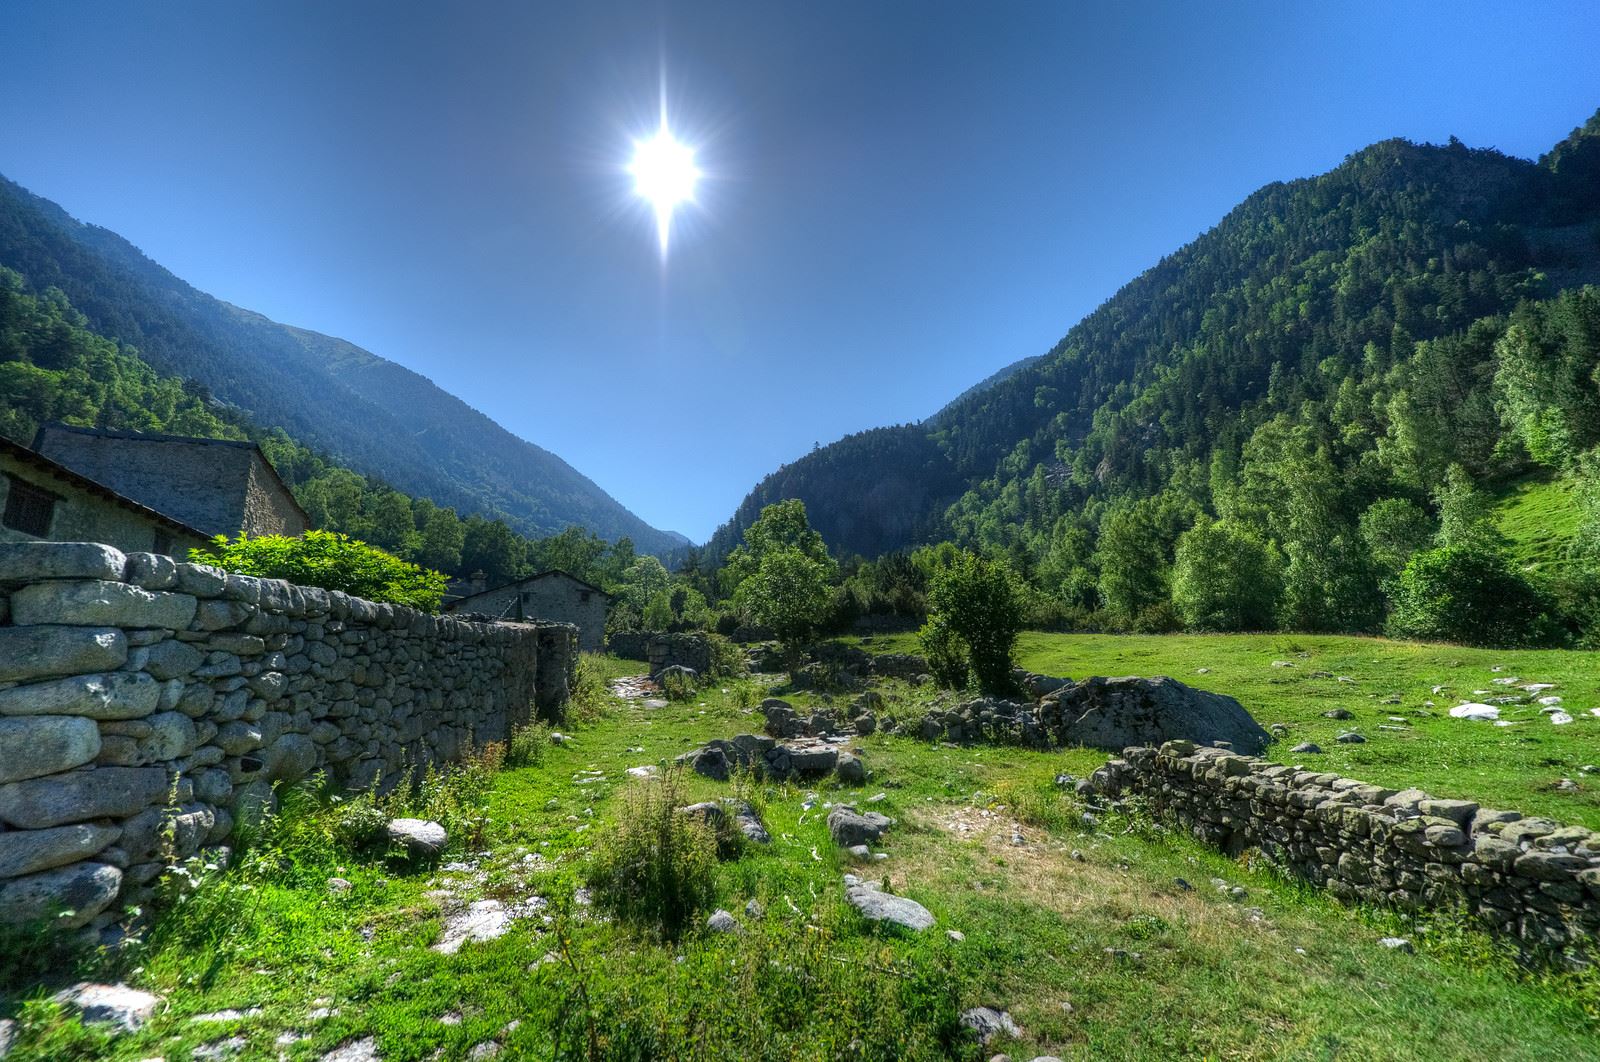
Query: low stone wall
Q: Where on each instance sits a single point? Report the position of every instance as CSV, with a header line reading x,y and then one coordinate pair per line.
x,y
147,706
688,649
1532,879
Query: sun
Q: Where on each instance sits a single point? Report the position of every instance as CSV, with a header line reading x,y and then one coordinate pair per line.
x,y
664,174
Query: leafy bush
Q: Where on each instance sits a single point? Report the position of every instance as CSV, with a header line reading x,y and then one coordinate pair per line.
x,y
658,867
1469,594
1226,578
946,653
590,695
678,686
976,601
727,659
329,560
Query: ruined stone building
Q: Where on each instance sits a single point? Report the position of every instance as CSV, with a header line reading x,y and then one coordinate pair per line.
x,y
554,596
220,486
42,499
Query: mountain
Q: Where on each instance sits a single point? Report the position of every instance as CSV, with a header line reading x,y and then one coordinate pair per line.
x,y
371,414
1309,294
992,380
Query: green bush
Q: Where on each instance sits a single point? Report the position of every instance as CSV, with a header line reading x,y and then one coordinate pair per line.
x,y
975,602
657,869
1225,578
946,653
329,560
1469,594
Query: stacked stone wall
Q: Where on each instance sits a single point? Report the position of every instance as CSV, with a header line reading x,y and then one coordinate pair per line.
x,y
688,649
148,707
1532,879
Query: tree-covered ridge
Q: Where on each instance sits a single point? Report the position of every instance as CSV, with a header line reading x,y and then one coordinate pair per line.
x,y
1303,287
368,413
53,367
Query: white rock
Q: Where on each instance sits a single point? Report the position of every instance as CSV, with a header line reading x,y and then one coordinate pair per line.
x,y
1560,718
126,1008
362,1050
1475,711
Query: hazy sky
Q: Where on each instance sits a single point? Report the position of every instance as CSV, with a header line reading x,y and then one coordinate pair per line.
x,y
900,198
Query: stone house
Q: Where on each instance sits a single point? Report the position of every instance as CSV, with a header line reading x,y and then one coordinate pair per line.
x,y
42,499
552,596
221,486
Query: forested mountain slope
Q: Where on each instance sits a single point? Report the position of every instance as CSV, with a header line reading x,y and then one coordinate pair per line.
x,y
1360,305
369,413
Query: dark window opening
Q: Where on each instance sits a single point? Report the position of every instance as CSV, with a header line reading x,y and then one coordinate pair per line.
x,y
162,543
28,509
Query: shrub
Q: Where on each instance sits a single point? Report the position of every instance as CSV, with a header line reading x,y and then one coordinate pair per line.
x,y
658,867
727,659
976,602
677,686
329,560
788,591
590,696
1469,594
946,653
1225,579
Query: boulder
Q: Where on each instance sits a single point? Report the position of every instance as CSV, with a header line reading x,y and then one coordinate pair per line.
x,y
126,1008
876,905
69,897
30,851
32,746
851,770
104,792
98,603
723,922
989,1023
849,827
421,838
28,561
1114,713
120,695
28,653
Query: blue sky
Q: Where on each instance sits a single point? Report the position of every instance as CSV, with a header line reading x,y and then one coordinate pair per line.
x,y
900,197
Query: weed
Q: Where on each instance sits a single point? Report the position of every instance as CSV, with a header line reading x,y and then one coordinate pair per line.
x,y
527,745
657,869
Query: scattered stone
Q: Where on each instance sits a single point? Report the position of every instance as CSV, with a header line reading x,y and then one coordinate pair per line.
x,y
849,827
489,1048
850,770
1113,713
1339,713
420,838
1566,785
1351,739
362,1050
220,1049
481,920
723,922
955,935
1400,944
876,905
339,885
1560,718
989,1023
648,770
859,852
1308,747
1283,663
126,1008
8,1036
226,1015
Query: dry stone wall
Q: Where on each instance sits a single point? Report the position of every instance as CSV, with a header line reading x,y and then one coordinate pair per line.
x,y
147,707
661,650
1532,879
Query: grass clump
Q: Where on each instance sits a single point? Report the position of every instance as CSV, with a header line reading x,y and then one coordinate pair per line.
x,y
527,745
657,869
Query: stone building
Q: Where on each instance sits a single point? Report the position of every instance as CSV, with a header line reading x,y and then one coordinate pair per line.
x,y
221,486
552,596
41,499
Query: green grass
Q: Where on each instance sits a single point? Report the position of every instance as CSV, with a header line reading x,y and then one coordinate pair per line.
x,y
1513,767
1285,973
1540,517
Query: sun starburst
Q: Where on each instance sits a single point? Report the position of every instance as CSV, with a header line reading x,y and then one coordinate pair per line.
x,y
664,174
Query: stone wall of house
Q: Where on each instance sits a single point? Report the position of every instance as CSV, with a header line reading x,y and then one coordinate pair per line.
x,y
269,507
689,649
557,597
148,707
1531,879
81,515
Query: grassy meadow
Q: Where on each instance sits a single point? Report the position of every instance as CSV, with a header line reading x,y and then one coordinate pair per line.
x,y
1106,937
